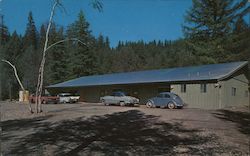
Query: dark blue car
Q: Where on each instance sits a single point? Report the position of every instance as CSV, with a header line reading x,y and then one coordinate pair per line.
x,y
165,100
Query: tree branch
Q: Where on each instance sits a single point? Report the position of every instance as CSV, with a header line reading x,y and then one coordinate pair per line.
x,y
15,71
61,41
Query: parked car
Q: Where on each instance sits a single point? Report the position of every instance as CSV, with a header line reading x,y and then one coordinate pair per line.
x,y
45,99
68,98
165,100
119,98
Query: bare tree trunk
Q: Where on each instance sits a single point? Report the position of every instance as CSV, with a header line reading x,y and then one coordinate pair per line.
x,y
41,69
18,79
39,87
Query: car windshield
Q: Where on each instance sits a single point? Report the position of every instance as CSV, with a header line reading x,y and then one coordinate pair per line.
x,y
119,94
65,94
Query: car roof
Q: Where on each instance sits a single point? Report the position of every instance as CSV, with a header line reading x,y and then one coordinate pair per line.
x,y
64,94
119,92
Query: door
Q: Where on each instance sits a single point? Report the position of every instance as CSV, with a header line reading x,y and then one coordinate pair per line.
x,y
166,99
158,101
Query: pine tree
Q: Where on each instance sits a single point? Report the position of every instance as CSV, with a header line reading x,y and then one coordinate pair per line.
x,y
211,19
4,76
56,67
82,59
4,33
31,55
31,35
210,28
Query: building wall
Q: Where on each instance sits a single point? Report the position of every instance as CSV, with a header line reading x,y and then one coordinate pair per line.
x,y
194,98
218,95
240,82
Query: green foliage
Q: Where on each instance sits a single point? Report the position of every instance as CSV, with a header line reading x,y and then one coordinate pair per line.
x,y
212,19
216,33
82,59
31,34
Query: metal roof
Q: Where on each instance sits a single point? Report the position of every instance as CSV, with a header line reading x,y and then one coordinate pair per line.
x,y
192,73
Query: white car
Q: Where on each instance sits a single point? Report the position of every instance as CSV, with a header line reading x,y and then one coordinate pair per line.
x,y
119,98
68,98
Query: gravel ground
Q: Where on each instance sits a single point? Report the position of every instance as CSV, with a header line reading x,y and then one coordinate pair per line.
x,y
93,129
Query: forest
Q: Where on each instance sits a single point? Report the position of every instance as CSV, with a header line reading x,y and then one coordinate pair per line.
x,y
213,32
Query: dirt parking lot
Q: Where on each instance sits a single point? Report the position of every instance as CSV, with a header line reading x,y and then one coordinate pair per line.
x,y
93,129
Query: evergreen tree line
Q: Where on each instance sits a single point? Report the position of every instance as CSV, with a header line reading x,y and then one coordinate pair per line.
x,y
215,32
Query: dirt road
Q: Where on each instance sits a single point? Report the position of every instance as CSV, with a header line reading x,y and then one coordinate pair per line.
x,y
93,129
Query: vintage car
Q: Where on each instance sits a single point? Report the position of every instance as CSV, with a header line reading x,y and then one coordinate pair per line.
x,y
68,98
119,98
45,99
165,100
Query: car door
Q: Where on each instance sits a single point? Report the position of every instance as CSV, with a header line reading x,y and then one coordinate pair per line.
x,y
166,99
110,99
117,98
158,100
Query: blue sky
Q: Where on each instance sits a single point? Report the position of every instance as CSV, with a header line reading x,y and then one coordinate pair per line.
x,y
125,20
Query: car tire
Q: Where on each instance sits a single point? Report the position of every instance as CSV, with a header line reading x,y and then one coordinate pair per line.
x,y
149,104
171,105
44,102
103,102
122,103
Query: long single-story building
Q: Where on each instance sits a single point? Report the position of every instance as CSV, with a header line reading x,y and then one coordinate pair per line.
x,y
210,86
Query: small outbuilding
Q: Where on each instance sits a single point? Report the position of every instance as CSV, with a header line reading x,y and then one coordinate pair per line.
x,y
212,86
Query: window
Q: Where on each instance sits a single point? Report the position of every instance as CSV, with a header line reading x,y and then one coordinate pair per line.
x,y
167,96
183,88
203,88
246,93
233,91
160,95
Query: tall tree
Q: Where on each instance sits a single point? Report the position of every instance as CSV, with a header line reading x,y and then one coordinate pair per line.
x,y
4,37
212,19
56,68
82,58
210,23
31,35
31,56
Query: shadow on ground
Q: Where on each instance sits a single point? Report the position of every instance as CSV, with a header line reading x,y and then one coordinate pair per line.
x,y
123,133
242,119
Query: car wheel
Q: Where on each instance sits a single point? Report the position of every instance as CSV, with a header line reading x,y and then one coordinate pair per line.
x,y
171,105
149,104
122,103
44,102
103,102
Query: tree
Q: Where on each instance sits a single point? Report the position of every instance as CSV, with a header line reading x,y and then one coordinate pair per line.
x,y
82,59
56,68
212,19
211,24
4,37
31,35
30,56
39,89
